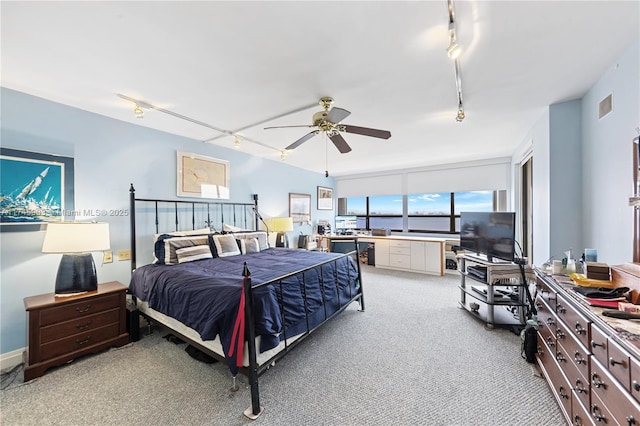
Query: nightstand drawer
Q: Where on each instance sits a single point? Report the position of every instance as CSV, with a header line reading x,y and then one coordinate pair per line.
x,y
80,308
78,325
79,341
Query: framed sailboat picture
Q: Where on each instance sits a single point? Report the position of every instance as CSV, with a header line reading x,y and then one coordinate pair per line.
x,y
34,189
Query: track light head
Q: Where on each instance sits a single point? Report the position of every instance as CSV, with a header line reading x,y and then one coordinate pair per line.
x,y
138,111
460,116
236,143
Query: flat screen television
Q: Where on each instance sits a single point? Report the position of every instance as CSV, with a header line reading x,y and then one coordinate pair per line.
x,y
346,223
491,234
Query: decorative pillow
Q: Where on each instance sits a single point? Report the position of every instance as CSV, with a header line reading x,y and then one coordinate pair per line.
x,y
189,254
202,231
226,245
249,245
260,235
166,247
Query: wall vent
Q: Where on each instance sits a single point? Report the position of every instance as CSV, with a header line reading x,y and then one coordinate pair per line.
x,y
605,106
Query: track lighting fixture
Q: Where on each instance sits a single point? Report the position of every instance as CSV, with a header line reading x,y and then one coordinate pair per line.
x,y
236,143
138,111
454,52
283,155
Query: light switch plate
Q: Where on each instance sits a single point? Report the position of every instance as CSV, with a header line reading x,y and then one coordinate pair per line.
x,y
107,256
124,254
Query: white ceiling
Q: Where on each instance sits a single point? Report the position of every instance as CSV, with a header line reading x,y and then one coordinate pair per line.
x,y
233,65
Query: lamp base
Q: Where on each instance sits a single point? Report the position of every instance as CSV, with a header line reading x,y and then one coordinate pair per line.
x,y
76,274
281,240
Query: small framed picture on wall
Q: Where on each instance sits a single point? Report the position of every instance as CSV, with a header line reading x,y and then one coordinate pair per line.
x,y
325,198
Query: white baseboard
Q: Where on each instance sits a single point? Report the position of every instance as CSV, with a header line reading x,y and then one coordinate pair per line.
x,y
9,360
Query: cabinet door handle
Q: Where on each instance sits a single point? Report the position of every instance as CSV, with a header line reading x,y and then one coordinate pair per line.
x,y
83,310
84,326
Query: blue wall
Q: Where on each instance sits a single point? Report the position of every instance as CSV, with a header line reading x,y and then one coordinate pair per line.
x,y
109,155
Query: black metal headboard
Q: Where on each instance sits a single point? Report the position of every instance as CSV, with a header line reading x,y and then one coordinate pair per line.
x,y
244,215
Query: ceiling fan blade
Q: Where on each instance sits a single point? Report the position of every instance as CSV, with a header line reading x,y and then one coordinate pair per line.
x,y
336,115
340,143
282,127
382,134
302,140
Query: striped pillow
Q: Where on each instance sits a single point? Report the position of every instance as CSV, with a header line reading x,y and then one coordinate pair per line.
x,y
167,248
226,245
249,245
189,254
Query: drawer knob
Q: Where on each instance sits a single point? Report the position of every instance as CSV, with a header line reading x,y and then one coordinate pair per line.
x,y
83,310
84,326
595,412
560,334
550,321
595,345
538,306
580,329
630,420
635,385
580,388
613,362
83,342
577,421
560,357
562,393
579,359
561,309
595,380
550,342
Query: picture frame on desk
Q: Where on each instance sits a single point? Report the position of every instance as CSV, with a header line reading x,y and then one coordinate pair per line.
x,y
325,198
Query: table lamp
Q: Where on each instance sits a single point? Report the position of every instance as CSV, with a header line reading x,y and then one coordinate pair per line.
x,y
76,241
281,225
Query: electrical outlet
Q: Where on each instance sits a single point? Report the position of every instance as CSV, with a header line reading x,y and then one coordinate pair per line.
x,y
124,254
107,256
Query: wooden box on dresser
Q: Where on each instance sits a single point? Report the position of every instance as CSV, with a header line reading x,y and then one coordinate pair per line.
x,y
61,329
591,362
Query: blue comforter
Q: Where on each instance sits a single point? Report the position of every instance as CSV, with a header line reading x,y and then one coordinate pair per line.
x,y
205,294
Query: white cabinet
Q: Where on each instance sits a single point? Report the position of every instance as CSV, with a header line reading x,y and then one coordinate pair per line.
x,y
381,252
425,256
434,257
418,256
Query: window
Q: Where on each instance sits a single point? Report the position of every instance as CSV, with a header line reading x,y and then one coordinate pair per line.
x,y
427,212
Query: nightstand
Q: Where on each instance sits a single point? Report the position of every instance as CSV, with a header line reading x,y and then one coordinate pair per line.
x,y
61,329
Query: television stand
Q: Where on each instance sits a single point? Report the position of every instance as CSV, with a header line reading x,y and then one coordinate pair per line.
x,y
495,285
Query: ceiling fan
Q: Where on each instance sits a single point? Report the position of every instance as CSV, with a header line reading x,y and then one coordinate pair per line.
x,y
328,121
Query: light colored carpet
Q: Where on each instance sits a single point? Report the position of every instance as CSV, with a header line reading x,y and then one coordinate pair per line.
x,y
412,358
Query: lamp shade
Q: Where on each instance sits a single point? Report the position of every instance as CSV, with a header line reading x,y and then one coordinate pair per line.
x,y
281,224
76,237
75,240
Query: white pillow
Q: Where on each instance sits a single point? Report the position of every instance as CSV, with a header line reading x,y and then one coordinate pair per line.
x,y
229,228
249,245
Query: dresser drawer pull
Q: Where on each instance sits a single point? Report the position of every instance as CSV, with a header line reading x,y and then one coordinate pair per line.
x,y
562,393
561,309
540,352
595,380
560,358
635,386
82,342
595,412
613,362
560,334
550,342
580,329
550,321
577,421
579,359
539,306
81,310
84,326
595,345
580,388
630,420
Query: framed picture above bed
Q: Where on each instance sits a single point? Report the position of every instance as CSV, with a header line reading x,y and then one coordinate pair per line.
x,y
36,189
300,207
202,177
325,198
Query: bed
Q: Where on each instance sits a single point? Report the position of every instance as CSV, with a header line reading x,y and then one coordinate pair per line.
x,y
224,290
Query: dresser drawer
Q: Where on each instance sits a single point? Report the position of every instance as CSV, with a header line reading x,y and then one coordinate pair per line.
x,y
575,322
399,261
635,379
618,364
580,415
78,341
600,414
622,407
78,325
577,380
80,308
557,381
599,344
548,294
577,353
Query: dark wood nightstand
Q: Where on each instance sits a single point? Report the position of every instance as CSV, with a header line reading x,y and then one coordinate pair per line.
x,y
64,328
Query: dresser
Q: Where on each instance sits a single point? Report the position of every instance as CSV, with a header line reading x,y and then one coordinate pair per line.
x,y
591,362
61,329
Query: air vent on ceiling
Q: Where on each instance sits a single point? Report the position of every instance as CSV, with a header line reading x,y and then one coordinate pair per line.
x,y
605,106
